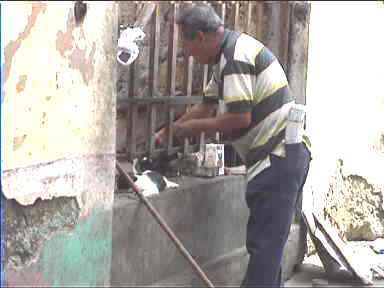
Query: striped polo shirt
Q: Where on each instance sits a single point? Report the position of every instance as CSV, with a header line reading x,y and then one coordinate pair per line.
x,y
251,79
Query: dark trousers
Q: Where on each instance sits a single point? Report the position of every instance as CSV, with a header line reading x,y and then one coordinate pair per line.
x,y
271,198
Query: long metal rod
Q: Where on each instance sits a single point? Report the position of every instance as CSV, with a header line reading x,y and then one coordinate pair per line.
x,y
165,227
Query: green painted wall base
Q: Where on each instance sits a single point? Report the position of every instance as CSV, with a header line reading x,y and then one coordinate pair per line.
x,y
78,257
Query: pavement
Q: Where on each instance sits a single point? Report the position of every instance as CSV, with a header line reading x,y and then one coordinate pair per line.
x,y
312,274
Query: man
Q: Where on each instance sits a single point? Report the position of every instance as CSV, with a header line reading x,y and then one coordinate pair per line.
x,y
254,89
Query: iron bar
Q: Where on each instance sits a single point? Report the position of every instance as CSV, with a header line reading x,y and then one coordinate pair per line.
x,y
145,14
155,153
298,49
187,85
169,100
221,12
205,81
284,33
133,115
259,20
153,76
171,72
236,15
249,17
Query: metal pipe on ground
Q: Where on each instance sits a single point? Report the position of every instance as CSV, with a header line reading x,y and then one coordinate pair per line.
x,y
165,227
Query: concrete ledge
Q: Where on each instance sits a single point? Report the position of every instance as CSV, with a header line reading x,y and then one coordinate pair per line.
x,y
209,217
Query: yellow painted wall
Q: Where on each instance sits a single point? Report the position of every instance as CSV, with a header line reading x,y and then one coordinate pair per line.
x,y
51,75
59,87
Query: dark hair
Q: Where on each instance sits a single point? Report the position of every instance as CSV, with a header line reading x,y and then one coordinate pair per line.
x,y
199,17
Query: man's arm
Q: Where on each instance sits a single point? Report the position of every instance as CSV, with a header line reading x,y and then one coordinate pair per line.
x,y
226,122
198,111
201,110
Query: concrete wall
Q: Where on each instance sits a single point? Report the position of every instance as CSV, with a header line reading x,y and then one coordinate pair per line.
x,y
58,142
209,216
345,100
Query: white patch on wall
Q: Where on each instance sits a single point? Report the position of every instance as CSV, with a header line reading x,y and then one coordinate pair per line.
x,y
12,11
345,99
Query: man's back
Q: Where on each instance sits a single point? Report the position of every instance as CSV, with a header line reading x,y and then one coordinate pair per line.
x,y
252,79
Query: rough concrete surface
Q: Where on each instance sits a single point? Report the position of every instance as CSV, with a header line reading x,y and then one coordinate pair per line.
x,y
355,206
312,274
209,217
28,227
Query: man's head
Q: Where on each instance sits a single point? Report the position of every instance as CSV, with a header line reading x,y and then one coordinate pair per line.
x,y
202,31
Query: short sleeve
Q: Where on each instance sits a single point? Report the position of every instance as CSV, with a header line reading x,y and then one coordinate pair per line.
x,y
238,86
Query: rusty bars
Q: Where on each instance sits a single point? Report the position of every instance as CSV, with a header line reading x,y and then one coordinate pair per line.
x,y
132,111
237,15
153,78
171,73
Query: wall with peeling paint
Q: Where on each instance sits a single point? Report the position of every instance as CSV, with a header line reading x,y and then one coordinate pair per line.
x,y
58,95
58,142
345,100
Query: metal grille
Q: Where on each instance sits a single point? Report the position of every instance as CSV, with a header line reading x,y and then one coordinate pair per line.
x,y
230,12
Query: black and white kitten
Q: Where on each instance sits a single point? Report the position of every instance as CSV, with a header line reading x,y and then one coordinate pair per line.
x,y
150,182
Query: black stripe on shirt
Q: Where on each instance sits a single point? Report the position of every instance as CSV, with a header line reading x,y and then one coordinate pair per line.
x,y
239,106
259,153
263,60
270,104
238,67
210,99
230,43
259,111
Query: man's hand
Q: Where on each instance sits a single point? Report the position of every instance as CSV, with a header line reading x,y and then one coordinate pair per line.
x,y
183,130
160,136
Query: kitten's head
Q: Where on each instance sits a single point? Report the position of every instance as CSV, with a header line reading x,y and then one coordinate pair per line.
x,y
140,165
160,164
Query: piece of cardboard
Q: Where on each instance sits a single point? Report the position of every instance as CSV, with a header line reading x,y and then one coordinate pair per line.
x,y
330,243
214,157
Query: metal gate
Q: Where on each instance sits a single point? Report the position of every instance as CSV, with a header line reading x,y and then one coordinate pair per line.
x,y
274,34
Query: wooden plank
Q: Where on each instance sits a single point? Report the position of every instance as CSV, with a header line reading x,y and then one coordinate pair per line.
x,y
259,20
236,15
172,51
171,72
284,33
168,100
221,13
272,30
145,14
188,90
155,153
249,17
153,77
187,86
132,111
332,249
205,82
298,49
205,77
